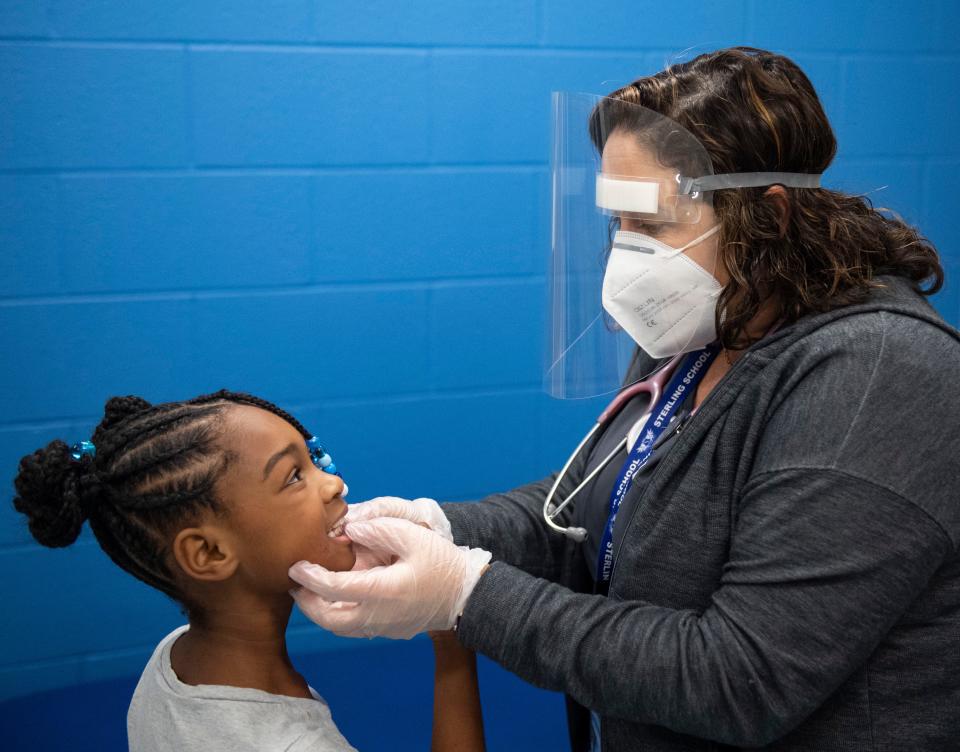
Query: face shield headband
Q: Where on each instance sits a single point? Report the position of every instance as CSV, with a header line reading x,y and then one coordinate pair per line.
x,y
643,198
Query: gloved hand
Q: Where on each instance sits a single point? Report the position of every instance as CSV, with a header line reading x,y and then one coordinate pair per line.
x,y
422,511
368,558
426,588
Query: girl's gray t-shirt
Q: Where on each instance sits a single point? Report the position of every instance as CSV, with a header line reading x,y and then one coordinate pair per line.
x,y
167,715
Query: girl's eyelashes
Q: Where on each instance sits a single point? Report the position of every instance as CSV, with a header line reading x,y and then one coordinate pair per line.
x,y
295,476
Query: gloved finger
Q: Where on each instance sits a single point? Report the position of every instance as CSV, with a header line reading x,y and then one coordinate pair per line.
x,y
368,584
367,559
389,535
382,506
310,601
344,619
435,518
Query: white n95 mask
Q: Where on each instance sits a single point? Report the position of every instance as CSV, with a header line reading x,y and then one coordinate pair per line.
x,y
664,300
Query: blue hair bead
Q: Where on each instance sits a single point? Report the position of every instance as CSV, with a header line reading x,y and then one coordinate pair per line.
x,y
83,449
320,457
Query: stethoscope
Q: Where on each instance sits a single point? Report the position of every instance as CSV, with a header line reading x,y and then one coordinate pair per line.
x,y
654,387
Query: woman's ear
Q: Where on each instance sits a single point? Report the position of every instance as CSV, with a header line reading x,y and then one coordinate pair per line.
x,y
205,553
777,195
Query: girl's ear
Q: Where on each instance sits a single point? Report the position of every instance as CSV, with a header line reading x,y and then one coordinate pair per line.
x,y
205,553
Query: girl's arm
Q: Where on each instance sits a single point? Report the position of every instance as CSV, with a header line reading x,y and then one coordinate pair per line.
x,y
457,719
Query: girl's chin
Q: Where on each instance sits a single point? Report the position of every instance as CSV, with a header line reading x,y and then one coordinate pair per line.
x,y
340,556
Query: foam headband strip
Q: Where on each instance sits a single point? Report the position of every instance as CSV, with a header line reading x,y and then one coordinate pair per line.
x,y
627,195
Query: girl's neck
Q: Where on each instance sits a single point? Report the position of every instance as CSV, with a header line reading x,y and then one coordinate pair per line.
x,y
243,645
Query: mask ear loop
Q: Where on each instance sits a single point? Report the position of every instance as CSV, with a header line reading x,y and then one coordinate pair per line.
x,y
696,241
714,294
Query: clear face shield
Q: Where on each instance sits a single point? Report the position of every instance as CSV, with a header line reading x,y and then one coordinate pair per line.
x,y
633,246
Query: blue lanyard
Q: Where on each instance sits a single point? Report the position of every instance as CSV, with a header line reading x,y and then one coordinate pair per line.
x,y
683,383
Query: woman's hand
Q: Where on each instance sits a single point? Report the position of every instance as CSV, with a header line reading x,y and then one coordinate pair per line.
x,y
424,589
422,511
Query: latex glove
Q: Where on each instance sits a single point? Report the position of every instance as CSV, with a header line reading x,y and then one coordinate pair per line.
x,y
422,511
367,558
426,588
425,512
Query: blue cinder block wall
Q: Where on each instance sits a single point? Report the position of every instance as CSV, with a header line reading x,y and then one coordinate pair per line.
x,y
344,207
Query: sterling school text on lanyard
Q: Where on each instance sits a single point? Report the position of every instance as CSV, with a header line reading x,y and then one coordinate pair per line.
x,y
683,383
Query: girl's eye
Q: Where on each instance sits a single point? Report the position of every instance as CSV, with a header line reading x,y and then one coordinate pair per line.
x,y
295,477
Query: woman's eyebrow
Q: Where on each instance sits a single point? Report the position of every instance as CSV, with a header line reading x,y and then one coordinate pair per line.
x,y
288,449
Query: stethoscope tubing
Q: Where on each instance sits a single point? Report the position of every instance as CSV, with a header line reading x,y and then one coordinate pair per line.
x,y
654,386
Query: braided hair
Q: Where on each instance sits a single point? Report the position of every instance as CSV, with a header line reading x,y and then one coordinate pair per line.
x,y
154,471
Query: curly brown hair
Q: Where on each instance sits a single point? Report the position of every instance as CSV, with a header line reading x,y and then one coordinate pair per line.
x,y
756,111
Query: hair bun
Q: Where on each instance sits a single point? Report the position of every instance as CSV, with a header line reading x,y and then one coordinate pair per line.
x,y
50,487
119,409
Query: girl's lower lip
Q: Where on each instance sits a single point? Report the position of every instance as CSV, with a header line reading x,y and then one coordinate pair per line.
x,y
342,539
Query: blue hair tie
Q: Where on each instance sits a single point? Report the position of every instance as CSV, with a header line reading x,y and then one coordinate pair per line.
x,y
320,457
83,449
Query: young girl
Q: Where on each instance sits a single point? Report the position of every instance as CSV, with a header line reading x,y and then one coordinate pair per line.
x,y
211,501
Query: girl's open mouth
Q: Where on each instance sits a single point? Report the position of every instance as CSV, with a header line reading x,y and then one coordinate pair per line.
x,y
336,533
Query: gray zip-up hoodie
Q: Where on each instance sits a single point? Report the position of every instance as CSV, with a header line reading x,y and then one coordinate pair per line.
x,y
787,576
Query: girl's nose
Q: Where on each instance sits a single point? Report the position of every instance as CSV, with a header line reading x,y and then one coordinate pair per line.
x,y
333,488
